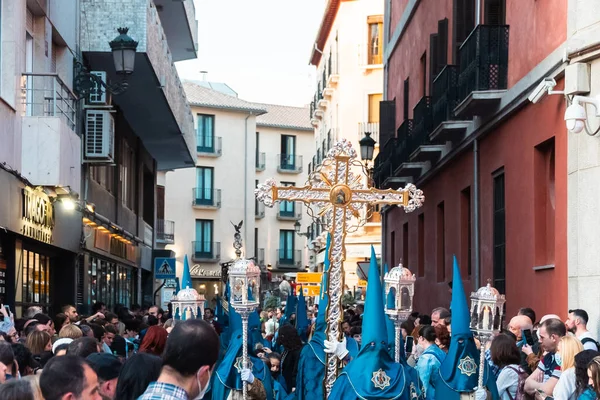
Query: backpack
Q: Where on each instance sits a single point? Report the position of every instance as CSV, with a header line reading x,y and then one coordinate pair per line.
x,y
587,340
520,395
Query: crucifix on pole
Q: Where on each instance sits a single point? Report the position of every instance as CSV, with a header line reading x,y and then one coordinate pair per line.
x,y
339,190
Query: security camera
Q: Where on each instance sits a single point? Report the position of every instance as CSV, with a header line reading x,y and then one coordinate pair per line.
x,y
575,115
545,87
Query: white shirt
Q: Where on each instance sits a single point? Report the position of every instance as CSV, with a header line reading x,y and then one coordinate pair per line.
x,y
507,382
589,345
566,386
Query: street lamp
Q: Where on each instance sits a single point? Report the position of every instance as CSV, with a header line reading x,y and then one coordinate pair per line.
x,y
367,146
123,48
399,290
297,227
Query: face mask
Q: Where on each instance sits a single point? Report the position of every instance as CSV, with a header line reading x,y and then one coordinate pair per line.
x,y
558,359
202,390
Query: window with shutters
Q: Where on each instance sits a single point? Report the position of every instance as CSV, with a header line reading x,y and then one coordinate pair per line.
x,y
374,100
494,12
375,40
105,176
463,23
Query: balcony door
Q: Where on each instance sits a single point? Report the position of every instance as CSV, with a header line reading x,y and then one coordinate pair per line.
x,y
375,40
203,246
286,247
288,152
286,208
205,136
204,185
29,68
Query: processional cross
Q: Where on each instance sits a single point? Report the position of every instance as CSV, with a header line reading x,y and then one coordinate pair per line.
x,y
335,191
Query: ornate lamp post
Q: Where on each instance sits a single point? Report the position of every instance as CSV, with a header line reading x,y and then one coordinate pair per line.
x,y
487,306
244,282
367,146
399,291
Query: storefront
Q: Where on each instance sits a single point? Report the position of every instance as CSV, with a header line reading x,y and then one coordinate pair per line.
x,y
39,241
207,281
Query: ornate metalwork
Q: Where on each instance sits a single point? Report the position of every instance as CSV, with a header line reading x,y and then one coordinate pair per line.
x,y
339,192
86,83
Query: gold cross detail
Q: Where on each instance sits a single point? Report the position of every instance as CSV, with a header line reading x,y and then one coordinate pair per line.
x,y
336,191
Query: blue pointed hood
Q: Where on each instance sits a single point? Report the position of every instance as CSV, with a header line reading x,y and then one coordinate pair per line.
x,y
317,340
302,317
186,280
459,370
374,326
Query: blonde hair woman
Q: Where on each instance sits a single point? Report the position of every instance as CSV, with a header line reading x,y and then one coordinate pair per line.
x,y
566,387
70,331
34,381
39,342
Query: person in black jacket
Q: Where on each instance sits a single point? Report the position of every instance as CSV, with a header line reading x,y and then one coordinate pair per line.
x,y
292,346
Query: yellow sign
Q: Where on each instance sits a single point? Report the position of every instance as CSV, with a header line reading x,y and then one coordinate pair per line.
x,y
309,290
362,282
309,277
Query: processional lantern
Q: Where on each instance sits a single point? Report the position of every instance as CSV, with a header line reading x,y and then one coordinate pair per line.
x,y
244,283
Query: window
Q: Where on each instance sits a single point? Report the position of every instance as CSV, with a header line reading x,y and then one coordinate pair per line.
x,y
499,236
286,246
406,99
374,100
421,245
110,283
203,246
35,280
286,208
465,229
393,248
205,134
329,134
545,202
204,186
375,40
256,246
463,23
424,74
441,243
104,176
127,176
405,261
257,152
288,152
495,12
160,202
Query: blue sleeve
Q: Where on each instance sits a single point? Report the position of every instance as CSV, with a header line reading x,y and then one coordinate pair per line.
x,y
6,325
424,367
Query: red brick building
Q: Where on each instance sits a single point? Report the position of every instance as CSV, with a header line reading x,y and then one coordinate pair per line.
x,y
456,121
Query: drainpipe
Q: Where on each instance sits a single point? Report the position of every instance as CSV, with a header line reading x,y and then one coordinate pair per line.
x,y
477,12
383,247
476,211
246,175
386,38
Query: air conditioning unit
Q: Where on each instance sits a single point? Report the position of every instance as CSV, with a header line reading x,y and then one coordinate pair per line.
x,y
100,95
99,136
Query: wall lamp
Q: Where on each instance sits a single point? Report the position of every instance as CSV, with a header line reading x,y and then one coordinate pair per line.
x,y
123,49
576,116
297,228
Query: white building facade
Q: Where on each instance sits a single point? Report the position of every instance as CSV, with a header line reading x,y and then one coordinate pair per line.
x,y
238,145
347,54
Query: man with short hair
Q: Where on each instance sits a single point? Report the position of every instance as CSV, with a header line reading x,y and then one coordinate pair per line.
x,y
82,347
438,315
528,312
516,326
107,367
188,360
99,307
545,377
109,335
32,311
69,378
155,311
71,312
577,324
111,318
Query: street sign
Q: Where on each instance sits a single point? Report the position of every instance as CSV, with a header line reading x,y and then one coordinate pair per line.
x,y
309,277
362,283
313,290
164,268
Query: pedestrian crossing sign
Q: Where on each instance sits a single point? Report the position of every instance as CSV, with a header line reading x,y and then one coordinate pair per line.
x,y
164,268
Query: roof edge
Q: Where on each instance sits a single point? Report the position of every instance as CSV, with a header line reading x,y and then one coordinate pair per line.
x,y
291,127
259,111
324,29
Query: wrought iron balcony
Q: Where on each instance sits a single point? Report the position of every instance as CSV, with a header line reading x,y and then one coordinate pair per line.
x,y
209,145
289,211
165,231
445,95
259,209
206,198
289,258
370,127
206,251
421,124
260,161
483,60
289,163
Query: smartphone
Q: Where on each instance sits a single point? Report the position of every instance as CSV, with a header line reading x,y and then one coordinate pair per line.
x,y
409,344
527,336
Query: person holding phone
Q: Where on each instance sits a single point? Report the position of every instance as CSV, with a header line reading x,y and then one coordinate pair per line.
x,y
527,342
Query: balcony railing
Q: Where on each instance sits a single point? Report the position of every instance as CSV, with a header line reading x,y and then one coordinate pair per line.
x,y
483,60
370,127
260,257
165,231
289,211
291,163
206,198
46,95
209,145
402,151
289,258
421,124
206,251
445,95
260,161
259,209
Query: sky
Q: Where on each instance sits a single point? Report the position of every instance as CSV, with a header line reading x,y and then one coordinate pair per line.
x,y
260,48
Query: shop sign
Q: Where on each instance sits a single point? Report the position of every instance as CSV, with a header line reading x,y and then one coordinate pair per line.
x,y
313,290
37,216
198,272
309,277
122,249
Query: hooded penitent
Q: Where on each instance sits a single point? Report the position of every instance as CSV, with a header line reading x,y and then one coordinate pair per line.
x,y
459,371
311,367
373,374
302,317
